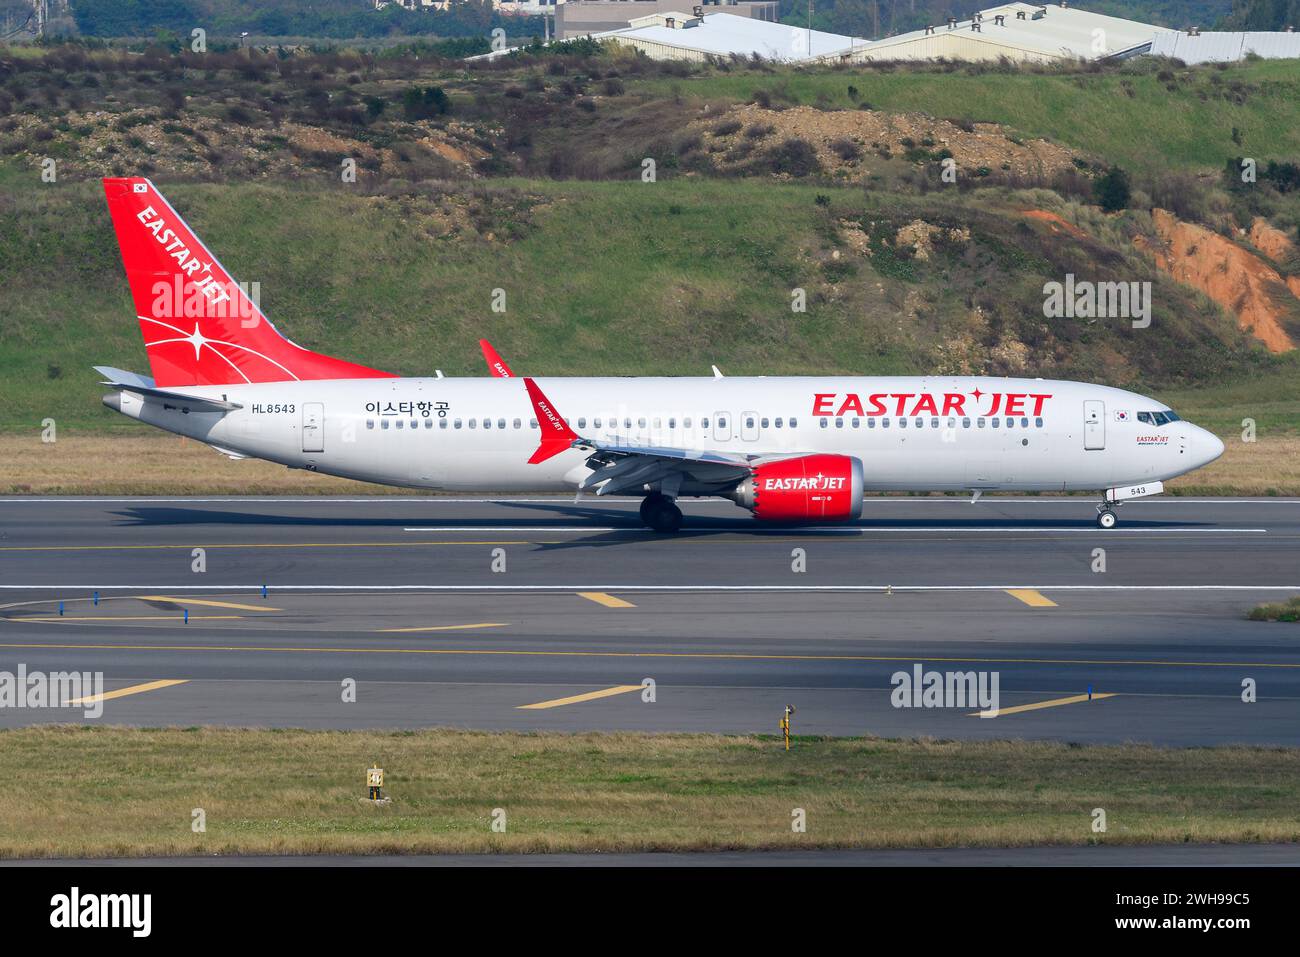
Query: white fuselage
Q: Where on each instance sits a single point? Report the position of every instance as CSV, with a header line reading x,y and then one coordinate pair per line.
x,y
934,433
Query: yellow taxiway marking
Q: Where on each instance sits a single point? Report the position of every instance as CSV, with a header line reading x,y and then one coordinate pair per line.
x,y
132,618
609,601
575,699
1054,703
702,655
481,624
133,689
1031,597
206,602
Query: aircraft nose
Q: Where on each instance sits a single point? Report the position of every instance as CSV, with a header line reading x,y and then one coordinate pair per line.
x,y
1206,446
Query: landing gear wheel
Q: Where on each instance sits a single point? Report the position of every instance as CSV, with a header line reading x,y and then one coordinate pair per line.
x,y
651,502
1106,518
661,514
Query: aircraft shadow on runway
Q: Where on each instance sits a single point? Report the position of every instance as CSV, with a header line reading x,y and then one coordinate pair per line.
x,y
624,522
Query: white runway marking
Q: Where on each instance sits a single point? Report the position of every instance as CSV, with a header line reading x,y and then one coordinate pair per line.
x,y
830,528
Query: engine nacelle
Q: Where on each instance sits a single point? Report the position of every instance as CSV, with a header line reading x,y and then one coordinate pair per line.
x,y
807,488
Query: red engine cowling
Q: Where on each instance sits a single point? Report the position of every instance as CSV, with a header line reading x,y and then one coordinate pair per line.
x,y
808,488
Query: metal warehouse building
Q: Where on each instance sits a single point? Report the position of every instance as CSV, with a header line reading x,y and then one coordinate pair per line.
x,y
699,35
1015,31
580,18
1197,47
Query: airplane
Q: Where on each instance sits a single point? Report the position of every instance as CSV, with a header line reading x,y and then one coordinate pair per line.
x,y
789,449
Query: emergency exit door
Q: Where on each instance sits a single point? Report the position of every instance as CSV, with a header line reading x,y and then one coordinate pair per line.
x,y
313,427
1094,424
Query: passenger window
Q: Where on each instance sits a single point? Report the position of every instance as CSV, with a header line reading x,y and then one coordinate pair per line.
x,y
839,423
902,423
778,422
1038,423
1024,423
487,423
518,424
884,423
370,423
965,423
794,423
857,423
400,423
934,423
383,423
442,423
473,423
501,423
824,423
458,423
532,424
979,423
871,423
686,422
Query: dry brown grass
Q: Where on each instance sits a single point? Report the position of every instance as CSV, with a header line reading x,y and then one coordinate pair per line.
x,y
1270,466
158,464
152,464
102,791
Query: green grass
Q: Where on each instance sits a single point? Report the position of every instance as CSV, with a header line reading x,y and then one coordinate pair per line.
x,y
617,278
118,792
1126,117
1269,396
1278,611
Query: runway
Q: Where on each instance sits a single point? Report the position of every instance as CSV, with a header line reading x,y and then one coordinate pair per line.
x,y
542,614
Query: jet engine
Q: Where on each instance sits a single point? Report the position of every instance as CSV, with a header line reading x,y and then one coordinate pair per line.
x,y
807,488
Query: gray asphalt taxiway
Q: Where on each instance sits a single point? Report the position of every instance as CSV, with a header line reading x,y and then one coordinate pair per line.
x,y
542,613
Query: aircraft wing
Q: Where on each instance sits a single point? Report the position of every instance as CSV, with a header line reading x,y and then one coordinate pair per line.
x,y
618,467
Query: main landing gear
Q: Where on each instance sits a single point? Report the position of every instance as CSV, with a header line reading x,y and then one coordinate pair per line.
x,y
660,513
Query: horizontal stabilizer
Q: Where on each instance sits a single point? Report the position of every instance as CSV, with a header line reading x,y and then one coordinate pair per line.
x,y
123,381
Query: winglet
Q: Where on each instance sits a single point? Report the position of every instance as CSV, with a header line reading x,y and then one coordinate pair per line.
x,y
496,365
556,434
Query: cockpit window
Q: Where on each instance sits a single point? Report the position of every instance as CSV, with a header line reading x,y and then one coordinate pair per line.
x,y
1158,418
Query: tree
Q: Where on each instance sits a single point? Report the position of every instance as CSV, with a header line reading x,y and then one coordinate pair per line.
x,y
1111,190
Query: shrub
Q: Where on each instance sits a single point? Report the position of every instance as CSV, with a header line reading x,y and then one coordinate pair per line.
x,y
1112,190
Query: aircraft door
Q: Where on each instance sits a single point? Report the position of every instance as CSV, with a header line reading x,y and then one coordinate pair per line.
x,y
313,427
1094,424
721,426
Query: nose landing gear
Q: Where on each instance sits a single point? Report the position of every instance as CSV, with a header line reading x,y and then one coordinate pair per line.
x,y
1106,517
660,513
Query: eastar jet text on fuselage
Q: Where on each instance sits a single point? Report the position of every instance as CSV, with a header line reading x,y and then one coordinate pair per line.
x,y
789,449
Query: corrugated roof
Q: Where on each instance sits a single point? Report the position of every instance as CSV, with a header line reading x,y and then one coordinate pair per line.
x,y
723,34
1059,31
1225,47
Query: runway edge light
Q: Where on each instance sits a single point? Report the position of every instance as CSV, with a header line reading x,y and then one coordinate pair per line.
x,y
785,724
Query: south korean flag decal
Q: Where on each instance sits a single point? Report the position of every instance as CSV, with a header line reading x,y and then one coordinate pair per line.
x,y
1121,415
140,187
